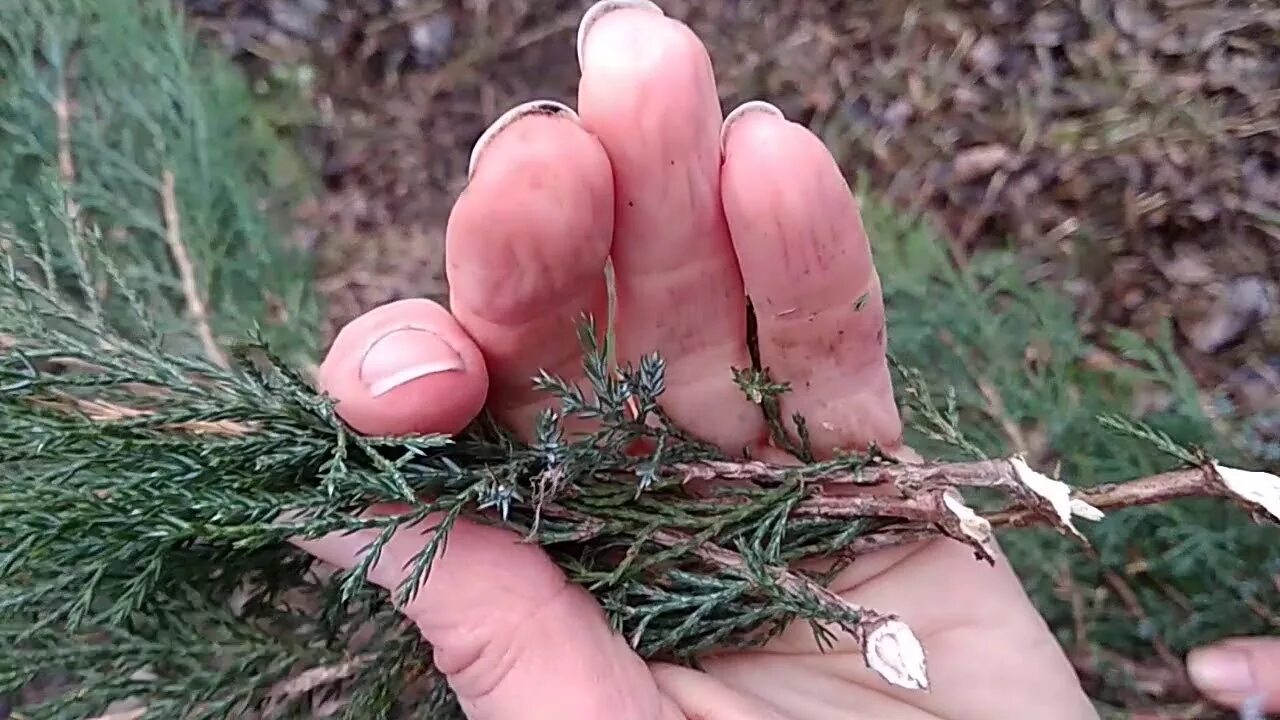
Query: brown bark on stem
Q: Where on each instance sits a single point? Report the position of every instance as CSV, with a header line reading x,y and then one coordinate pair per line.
x,y
1153,490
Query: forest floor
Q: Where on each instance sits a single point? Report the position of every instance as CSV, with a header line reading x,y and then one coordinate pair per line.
x,y
1130,151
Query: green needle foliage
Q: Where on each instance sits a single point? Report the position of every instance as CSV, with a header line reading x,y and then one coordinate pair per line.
x,y
134,99
146,492
1160,580
159,447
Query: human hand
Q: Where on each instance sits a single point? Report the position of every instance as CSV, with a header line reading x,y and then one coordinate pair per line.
x,y
692,228
1240,673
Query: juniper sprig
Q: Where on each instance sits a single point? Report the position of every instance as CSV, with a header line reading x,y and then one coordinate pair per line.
x,y
149,496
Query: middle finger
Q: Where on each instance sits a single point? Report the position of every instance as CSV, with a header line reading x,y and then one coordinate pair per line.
x,y
648,93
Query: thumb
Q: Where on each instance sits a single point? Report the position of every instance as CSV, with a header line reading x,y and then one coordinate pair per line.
x,y
514,638
405,367
1241,673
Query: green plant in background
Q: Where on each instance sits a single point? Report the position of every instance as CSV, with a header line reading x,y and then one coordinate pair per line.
x,y
158,144
1158,580
151,438
120,134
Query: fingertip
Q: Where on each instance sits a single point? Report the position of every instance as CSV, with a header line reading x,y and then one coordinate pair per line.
x,y
1239,672
756,107
534,225
654,63
604,7
405,368
765,137
547,108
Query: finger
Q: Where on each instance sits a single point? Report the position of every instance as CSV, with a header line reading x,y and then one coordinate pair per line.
x,y
512,636
807,266
648,93
526,247
1239,673
406,367
700,695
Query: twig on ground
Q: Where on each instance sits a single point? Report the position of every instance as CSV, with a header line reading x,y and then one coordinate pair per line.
x,y
1075,597
101,411
300,684
123,715
1169,685
313,678
1262,611
1133,605
497,47
186,270
66,161
67,170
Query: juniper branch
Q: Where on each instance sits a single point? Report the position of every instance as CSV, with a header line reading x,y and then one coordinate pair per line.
x,y
137,470
181,258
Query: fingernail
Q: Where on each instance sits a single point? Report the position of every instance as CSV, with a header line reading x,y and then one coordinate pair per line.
x,y
1220,671
404,355
536,107
755,106
604,7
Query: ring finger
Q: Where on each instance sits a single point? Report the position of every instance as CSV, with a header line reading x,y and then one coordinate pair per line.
x,y
806,261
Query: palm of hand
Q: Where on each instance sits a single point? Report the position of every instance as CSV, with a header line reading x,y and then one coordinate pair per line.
x,y
691,225
989,653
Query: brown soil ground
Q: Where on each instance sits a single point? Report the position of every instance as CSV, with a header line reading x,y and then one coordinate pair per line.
x,y
1130,149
